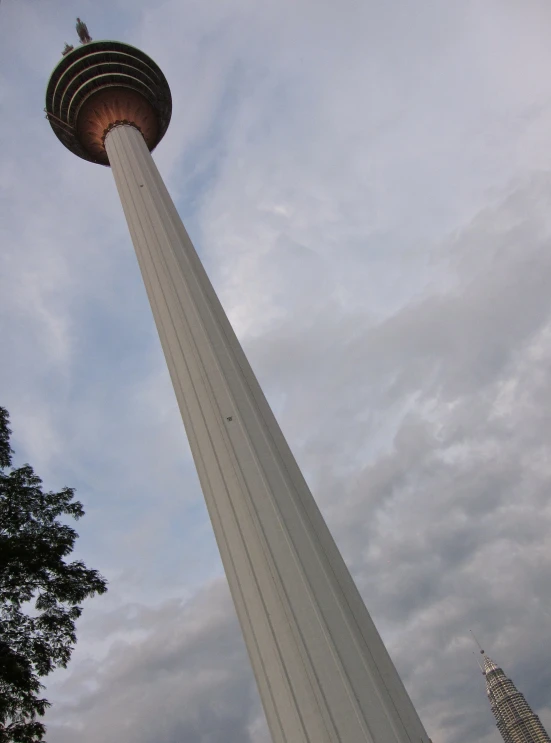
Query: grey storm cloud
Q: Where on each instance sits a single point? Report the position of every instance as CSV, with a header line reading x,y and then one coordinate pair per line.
x,y
447,525
187,679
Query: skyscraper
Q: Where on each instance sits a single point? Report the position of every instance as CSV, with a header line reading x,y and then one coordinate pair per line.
x,y
323,672
515,719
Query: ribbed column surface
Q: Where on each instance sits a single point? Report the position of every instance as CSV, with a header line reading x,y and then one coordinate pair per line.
x,y
323,672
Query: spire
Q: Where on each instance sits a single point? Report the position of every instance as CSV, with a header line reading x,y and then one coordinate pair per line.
x,y
489,665
479,646
82,31
515,719
479,664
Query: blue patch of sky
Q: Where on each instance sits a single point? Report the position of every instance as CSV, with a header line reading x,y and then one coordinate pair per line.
x,y
200,166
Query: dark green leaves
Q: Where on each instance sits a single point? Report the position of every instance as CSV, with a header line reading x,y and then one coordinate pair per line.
x,y
33,571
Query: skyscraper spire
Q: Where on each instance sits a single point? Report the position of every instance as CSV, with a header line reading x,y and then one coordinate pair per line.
x,y
515,719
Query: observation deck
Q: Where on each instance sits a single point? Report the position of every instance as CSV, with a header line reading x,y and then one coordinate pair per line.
x,y
102,84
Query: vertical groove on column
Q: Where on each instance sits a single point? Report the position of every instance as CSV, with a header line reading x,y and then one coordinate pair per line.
x,y
322,670
139,220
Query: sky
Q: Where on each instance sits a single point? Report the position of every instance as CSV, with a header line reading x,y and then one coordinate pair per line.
x,y
368,185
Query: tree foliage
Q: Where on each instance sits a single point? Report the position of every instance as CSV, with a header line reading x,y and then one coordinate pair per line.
x,y
40,593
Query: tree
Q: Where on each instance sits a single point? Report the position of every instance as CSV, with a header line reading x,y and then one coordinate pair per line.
x,y
33,546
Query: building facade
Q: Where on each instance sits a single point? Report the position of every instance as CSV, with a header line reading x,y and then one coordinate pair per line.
x,y
515,719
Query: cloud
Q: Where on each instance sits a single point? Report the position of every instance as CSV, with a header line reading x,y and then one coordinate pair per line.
x,y
449,517
198,687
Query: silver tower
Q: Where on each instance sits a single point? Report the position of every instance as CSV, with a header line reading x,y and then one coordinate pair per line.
x,y
323,672
515,719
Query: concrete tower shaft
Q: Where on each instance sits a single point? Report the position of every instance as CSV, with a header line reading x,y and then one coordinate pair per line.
x,y
99,85
323,672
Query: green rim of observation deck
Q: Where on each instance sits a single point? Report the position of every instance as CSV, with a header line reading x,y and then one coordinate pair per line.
x,y
96,66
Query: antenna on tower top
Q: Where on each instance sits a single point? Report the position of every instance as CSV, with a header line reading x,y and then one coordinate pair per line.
x,y
478,644
82,31
479,664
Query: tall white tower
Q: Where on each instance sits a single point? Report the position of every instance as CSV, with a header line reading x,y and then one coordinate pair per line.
x,y
323,672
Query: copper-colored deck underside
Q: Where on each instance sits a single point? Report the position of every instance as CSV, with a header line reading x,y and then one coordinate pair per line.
x,y
109,106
